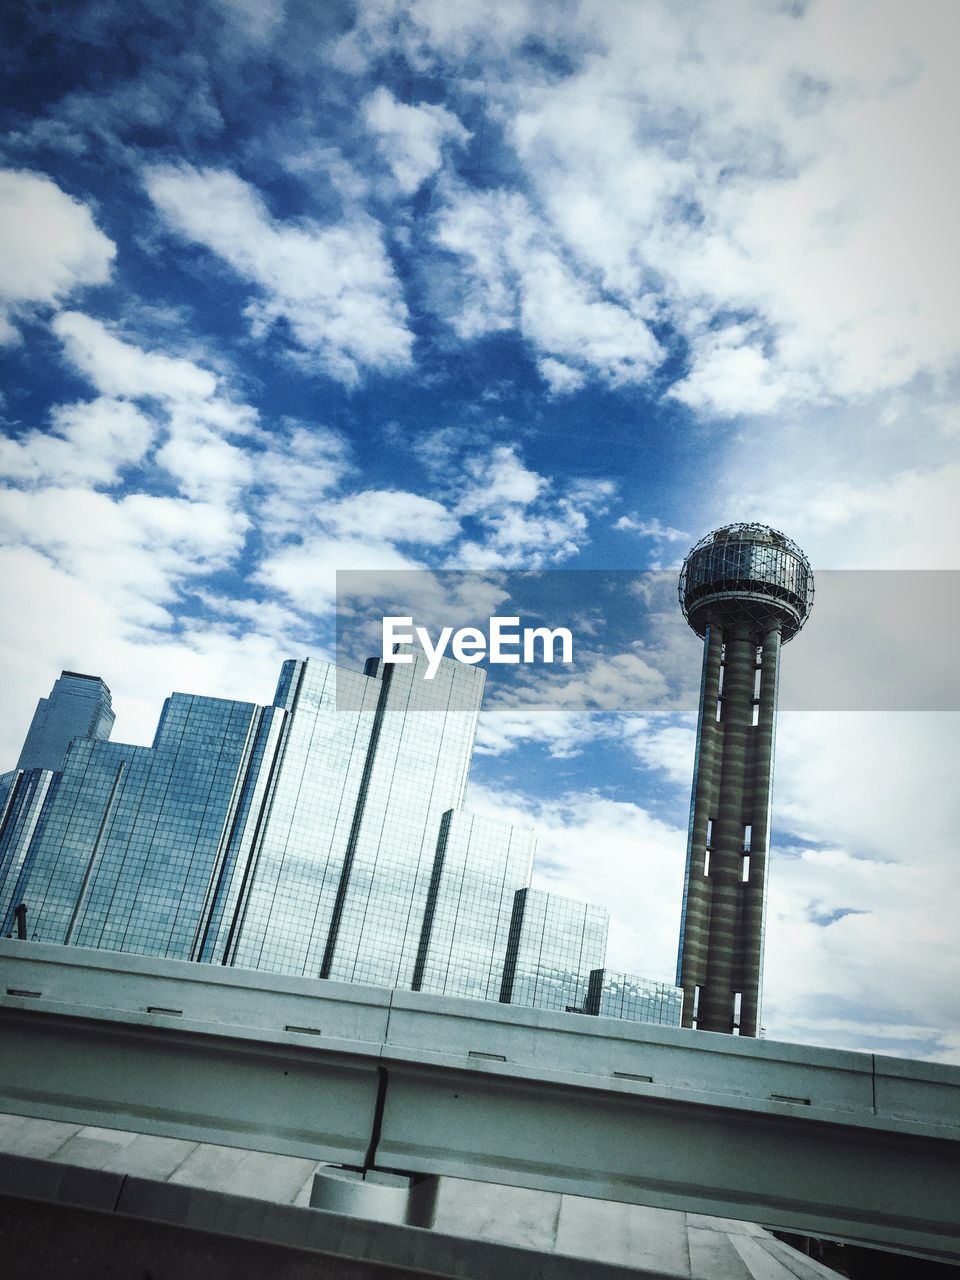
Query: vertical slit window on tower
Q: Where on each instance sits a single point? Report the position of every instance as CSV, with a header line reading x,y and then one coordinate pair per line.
x,y
756,713
706,861
696,1003
747,836
756,683
745,874
719,708
737,998
709,832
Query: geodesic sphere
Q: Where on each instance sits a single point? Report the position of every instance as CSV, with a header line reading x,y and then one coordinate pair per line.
x,y
746,573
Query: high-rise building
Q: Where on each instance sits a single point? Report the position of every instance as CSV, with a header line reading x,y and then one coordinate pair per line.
x,y
746,589
78,707
632,999
553,945
479,867
128,837
322,836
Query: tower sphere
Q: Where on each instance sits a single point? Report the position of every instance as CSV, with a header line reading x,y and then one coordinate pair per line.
x,y
746,573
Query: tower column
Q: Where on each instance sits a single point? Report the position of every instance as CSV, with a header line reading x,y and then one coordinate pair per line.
x,y
717,996
695,925
745,589
754,890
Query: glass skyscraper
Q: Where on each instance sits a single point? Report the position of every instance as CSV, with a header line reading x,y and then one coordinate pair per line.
x,y
479,867
322,836
78,707
624,995
553,945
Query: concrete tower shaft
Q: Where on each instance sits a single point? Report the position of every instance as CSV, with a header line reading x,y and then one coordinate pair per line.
x,y
746,589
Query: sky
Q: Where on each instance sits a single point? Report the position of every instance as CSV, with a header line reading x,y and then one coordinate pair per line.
x,y
290,288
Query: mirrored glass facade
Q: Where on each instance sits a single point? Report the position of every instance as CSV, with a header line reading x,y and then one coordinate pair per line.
x,y
480,865
554,943
633,999
22,799
416,770
322,836
130,837
278,908
78,707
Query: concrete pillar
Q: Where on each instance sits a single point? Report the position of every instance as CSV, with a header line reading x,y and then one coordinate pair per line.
x,y
755,890
695,924
721,950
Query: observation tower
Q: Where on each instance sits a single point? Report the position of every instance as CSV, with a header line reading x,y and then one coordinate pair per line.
x,y
746,589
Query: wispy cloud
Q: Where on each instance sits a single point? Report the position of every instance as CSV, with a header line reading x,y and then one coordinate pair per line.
x,y
50,246
334,285
411,138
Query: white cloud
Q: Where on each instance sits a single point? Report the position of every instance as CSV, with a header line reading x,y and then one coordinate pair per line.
x,y
769,180
883,853
733,379
49,246
562,379
905,519
525,524
118,368
563,731
427,32
411,138
196,416
498,480
334,285
358,532
306,572
391,514
91,443
134,546
295,476
513,275
205,466
652,528
669,747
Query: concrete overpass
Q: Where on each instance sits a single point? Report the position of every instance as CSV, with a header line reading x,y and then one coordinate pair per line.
x,y
854,1146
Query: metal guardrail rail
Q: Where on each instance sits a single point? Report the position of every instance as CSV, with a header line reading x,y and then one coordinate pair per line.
x,y
857,1146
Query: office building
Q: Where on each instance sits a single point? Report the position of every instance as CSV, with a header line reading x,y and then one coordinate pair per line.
x,y
128,838
633,999
479,868
746,590
78,707
553,945
322,836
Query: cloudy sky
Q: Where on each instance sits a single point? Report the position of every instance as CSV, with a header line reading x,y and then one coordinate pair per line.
x,y
287,288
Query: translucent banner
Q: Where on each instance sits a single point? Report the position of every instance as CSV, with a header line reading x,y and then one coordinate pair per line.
x,y
616,641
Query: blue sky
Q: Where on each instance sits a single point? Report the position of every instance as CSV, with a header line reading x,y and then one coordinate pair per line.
x,y
288,288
